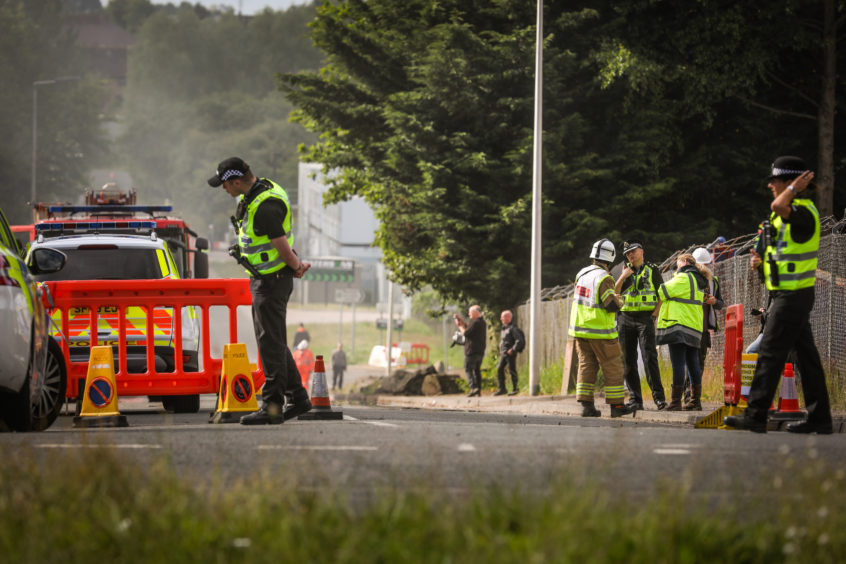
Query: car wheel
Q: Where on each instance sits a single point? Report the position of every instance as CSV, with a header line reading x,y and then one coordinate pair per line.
x,y
181,404
47,404
15,411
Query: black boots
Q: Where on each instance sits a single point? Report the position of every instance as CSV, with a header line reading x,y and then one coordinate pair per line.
x,y
620,410
806,427
268,414
694,404
588,409
676,401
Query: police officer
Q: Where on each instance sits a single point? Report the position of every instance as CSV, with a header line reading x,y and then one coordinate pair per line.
x,y
791,240
638,285
594,328
265,237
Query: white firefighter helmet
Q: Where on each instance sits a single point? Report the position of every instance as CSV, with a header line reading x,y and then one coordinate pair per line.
x,y
303,345
702,256
603,250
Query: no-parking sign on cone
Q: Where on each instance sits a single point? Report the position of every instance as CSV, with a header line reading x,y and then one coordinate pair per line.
x,y
237,390
100,398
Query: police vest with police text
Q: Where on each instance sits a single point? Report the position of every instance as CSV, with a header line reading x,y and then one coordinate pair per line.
x,y
796,263
681,316
588,318
640,295
258,249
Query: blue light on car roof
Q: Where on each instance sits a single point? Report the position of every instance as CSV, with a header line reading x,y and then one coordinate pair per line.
x,y
88,226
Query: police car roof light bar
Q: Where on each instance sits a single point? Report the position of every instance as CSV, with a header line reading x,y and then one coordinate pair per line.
x,y
89,226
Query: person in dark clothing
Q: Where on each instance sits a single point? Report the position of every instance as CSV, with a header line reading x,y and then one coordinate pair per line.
x,y
475,334
790,241
300,336
510,342
339,366
638,286
265,238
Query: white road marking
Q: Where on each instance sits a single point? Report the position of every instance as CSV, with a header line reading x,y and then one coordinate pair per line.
x,y
466,447
317,447
137,445
374,423
671,451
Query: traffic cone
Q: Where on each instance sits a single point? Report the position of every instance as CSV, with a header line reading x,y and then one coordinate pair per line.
x,y
100,398
788,400
237,390
320,396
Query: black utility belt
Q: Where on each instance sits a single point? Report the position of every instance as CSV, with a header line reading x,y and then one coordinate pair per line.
x,y
285,272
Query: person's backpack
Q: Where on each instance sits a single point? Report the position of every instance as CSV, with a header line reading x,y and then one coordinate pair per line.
x,y
519,339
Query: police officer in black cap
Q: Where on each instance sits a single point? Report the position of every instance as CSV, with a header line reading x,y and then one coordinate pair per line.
x,y
790,242
265,249
638,285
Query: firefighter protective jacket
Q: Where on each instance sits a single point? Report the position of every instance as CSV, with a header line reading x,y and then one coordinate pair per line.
x,y
588,317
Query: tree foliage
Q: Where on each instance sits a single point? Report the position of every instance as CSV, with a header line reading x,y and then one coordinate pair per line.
x,y
425,109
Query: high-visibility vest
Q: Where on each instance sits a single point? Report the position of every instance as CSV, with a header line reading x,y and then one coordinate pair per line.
x,y
641,295
588,318
257,249
680,318
796,263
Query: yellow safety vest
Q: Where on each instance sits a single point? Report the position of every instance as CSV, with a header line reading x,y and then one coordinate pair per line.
x,y
641,295
795,263
257,249
680,318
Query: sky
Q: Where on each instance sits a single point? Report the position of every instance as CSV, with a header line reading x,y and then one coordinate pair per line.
x,y
248,7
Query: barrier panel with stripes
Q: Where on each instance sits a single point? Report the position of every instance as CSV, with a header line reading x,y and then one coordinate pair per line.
x,y
176,297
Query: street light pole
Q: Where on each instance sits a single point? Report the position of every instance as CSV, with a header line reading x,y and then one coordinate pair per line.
x,y
534,329
35,86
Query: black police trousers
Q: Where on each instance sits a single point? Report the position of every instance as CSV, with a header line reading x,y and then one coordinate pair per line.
x,y
788,328
270,307
638,329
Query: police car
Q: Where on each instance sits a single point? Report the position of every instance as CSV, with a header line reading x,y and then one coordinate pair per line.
x,y
32,369
97,256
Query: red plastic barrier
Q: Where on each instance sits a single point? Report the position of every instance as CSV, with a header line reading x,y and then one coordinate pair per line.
x,y
419,354
733,353
151,294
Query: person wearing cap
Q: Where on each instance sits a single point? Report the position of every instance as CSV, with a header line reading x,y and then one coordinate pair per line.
x,y
680,322
594,328
790,243
265,239
638,286
713,302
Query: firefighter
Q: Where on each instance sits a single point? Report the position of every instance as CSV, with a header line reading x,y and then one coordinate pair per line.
x,y
791,241
265,238
638,285
593,325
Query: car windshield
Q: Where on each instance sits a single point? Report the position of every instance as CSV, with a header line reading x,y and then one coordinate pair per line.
x,y
108,264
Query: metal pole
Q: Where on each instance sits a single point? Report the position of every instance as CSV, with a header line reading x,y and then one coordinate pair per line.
x,y
534,361
352,337
34,141
341,323
446,344
388,346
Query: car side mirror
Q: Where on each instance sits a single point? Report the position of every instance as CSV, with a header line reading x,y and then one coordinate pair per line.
x,y
46,261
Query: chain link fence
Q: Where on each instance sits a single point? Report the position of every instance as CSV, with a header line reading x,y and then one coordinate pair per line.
x,y
738,284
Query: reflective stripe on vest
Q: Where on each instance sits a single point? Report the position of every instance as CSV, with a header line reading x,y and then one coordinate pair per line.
x,y
258,249
681,306
796,263
588,319
640,295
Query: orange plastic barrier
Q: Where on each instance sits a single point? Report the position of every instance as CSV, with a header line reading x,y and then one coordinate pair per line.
x,y
151,294
419,354
733,353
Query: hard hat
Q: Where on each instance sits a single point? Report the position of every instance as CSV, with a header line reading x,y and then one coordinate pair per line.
x,y
702,256
603,250
303,345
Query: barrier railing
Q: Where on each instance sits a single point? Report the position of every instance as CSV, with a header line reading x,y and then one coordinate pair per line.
x,y
151,295
733,354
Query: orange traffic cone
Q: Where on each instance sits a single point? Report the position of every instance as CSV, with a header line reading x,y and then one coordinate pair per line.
x,y
788,401
100,398
320,395
237,390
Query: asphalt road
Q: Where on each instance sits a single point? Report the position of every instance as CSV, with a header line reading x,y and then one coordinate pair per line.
x,y
457,451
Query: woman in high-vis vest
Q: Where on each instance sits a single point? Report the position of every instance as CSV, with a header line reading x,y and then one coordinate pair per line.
x,y
680,325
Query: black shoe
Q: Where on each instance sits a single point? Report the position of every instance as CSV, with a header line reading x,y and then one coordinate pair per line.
x,y
620,410
745,423
297,408
635,406
589,410
514,392
661,405
806,427
500,393
268,414
474,393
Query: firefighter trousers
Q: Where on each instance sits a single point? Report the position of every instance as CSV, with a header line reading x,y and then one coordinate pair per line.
x,y
593,355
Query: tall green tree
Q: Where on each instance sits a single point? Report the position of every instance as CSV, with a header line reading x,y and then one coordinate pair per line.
x,y
34,46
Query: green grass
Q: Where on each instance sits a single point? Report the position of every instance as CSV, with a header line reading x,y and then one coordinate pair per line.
x,y
97,507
